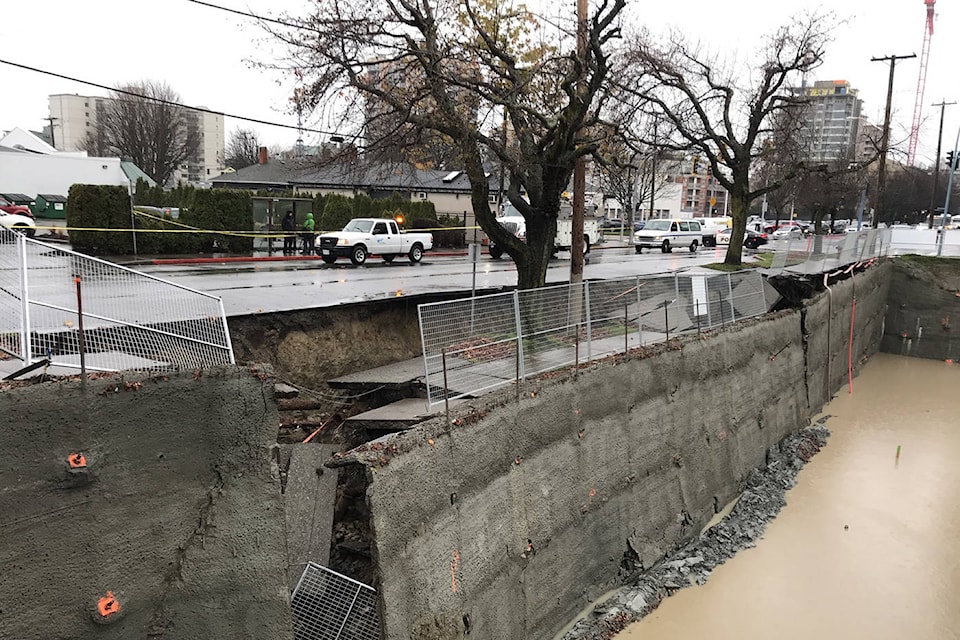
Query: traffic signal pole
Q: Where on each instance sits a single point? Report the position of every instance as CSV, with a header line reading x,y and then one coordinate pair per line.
x,y
946,201
936,166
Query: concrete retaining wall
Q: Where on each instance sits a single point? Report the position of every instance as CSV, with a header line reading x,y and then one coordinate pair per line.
x,y
923,317
179,515
508,524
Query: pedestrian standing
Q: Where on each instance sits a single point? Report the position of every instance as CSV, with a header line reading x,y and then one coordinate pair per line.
x,y
289,227
308,235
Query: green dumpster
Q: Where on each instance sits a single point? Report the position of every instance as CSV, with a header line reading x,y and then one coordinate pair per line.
x,y
50,205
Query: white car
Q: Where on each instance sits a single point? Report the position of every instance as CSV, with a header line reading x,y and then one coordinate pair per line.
x,y
15,221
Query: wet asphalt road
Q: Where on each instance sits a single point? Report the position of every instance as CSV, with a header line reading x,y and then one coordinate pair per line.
x,y
259,287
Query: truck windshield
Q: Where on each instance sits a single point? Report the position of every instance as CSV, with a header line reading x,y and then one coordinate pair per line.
x,y
361,226
658,225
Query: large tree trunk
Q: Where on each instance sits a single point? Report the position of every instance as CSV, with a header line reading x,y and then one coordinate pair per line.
x,y
534,256
739,205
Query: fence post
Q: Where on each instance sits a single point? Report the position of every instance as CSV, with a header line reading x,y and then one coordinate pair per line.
x,y
586,300
696,312
707,296
446,389
83,356
639,316
626,327
26,352
733,312
666,318
521,374
720,304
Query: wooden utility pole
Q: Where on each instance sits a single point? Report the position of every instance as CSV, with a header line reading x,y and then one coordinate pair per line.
x,y
885,138
936,164
580,169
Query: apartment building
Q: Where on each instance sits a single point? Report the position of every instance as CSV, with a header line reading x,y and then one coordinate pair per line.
x,y
72,116
831,120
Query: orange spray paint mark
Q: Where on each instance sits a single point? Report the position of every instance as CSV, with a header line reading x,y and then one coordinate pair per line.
x,y
108,605
454,563
76,461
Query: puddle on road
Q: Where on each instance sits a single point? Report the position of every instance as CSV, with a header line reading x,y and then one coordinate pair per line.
x,y
895,572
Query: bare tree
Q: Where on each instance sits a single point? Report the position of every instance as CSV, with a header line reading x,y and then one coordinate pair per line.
x,y
632,176
456,69
243,149
143,122
725,118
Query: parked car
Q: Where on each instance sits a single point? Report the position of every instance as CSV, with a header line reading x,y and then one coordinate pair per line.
x,y
365,236
667,234
751,240
8,207
787,231
17,222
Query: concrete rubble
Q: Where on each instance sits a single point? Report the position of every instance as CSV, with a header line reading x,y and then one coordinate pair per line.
x,y
762,499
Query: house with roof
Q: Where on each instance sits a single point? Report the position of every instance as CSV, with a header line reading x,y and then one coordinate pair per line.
x,y
449,191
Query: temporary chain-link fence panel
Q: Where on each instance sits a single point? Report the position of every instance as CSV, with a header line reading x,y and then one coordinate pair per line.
x,y
130,320
329,606
13,312
816,254
470,346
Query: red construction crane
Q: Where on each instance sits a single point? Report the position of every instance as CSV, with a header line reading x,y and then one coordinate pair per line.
x,y
921,82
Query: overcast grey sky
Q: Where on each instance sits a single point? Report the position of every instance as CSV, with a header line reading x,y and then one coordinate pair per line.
x,y
205,54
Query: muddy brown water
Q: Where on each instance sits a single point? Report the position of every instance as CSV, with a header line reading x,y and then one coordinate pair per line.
x,y
868,545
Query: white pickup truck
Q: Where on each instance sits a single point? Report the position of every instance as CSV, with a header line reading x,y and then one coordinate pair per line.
x,y
514,222
363,237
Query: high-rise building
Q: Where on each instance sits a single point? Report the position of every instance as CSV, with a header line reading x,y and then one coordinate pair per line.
x,y
831,120
73,117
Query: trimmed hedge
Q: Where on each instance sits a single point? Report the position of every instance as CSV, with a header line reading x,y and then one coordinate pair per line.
x,y
220,210
96,206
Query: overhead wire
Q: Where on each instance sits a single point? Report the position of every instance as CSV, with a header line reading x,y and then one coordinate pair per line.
x,y
164,101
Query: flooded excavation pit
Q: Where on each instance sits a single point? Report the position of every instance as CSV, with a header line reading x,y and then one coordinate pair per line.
x,y
866,545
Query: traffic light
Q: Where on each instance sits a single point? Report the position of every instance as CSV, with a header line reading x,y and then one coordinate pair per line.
x,y
950,159
696,164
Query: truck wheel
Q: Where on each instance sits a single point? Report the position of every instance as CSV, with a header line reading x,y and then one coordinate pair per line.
x,y
709,242
495,252
639,249
693,247
665,247
416,253
329,259
586,244
388,258
359,255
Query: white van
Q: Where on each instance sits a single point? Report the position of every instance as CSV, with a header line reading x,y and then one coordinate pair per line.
x,y
667,234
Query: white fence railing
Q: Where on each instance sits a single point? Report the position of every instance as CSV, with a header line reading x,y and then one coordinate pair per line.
x,y
478,344
129,320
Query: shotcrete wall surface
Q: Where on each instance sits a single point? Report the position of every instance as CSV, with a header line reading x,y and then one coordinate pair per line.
x,y
923,317
177,514
508,523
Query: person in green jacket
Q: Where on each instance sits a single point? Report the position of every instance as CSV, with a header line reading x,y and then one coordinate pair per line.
x,y
308,235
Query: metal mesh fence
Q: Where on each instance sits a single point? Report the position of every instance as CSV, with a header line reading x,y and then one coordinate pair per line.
x,y
816,254
12,328
131,320
329,606
471,345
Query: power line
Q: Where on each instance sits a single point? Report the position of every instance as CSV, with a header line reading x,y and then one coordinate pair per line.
x,y
167,102
254,16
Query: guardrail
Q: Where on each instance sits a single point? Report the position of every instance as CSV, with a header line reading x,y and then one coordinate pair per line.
x,y
84,313
474,345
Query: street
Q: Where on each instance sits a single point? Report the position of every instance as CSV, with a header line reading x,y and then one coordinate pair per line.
x,y
259,287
